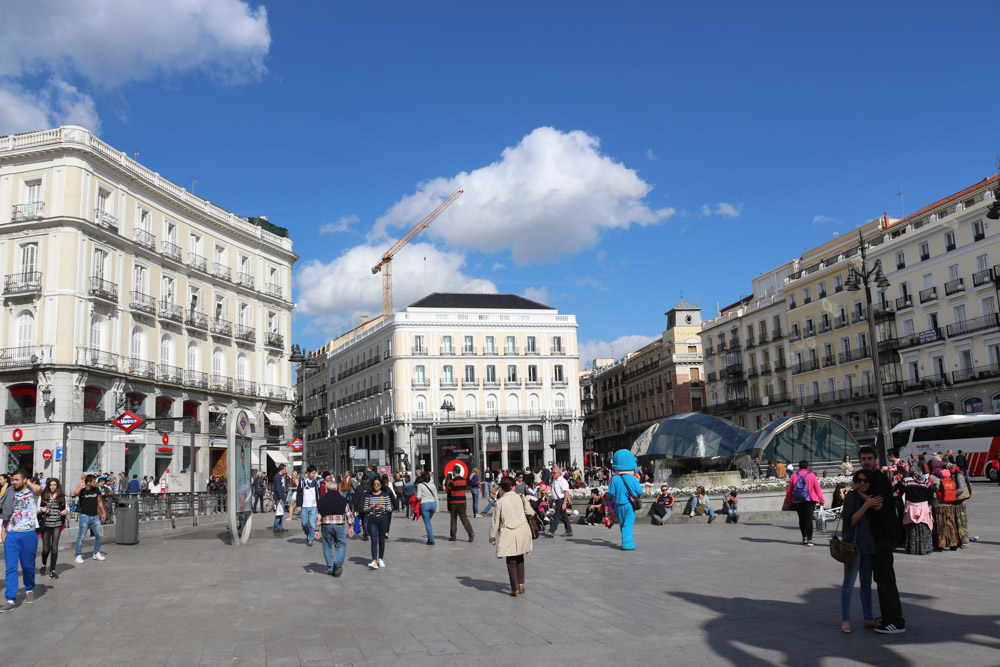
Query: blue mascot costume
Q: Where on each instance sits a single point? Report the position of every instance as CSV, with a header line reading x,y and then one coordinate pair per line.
x,y
623,487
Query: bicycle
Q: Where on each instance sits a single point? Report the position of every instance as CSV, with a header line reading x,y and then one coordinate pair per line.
x,y
268,503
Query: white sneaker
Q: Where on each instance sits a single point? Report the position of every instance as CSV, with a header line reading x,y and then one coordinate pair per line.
x,y
99,556
373,565
78,560
381,563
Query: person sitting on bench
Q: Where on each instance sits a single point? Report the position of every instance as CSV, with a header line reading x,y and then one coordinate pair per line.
x,y
595,508
663,507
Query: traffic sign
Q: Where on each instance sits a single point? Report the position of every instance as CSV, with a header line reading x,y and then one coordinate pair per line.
x,y
58,451
295,445
47,455
128,421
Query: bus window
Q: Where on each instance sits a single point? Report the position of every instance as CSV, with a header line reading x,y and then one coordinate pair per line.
x,y
901,439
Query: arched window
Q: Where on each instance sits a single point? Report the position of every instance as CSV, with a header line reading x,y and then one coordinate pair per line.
x,y
534,435
492,435
470,405
166,349
21,400
449,400
854,421
996,404
242,367
135,402
871,420
560,433
918,412
513,403
946,408
560,401
972,406
421,404
271,372
218,362
514,435
93,403
193,356
895,417
25,328
164,406
491,404
137,345
533,403
96,332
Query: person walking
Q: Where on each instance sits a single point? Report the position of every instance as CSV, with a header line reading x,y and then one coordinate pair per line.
x,y
307,495
510,532
474,490
885,528
803,494
427,495
52,515
291,492
624,487
560,496
279,499
90,509
457,487
858,508
258,493
18,526
334,513
378,507
409,490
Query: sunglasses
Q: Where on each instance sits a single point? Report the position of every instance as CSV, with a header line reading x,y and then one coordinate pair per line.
x,y
862,480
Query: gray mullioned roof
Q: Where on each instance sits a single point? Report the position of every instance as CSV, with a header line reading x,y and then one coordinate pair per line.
x,y
465,300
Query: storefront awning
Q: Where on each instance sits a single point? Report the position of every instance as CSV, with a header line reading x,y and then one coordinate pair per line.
x,y
277,457
275,418
215,407
254,459
251,416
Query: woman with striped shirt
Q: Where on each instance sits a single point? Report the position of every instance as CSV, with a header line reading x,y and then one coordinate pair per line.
x,y
378,507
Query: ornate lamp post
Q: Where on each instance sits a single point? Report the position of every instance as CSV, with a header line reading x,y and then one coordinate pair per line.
x,y
866,277
301,421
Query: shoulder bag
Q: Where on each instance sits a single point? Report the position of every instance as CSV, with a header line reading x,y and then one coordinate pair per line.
x,y
845,552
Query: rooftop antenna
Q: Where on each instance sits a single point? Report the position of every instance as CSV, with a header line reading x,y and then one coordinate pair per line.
x,y
425,274
902,211
194,182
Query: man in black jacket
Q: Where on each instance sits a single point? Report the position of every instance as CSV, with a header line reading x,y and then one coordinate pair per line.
x,y
885,526
962,463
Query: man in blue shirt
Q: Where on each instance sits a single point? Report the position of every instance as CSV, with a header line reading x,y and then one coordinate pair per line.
x,y
279,498
133,486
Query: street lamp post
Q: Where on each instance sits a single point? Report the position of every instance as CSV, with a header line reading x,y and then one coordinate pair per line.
x,y
301,421
866,277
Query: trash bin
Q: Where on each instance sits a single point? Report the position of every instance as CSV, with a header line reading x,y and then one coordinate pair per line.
x,y
127,522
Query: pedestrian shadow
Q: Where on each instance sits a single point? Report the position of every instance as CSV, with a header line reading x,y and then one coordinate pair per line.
x,y
591,542
770,525
755,621
485,585
763,540
408,539
359,560
314,568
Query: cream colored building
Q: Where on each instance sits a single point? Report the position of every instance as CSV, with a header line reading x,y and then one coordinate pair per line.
x,y
123,291
937,327
482,378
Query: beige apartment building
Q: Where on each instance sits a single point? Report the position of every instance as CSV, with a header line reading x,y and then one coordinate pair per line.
x,y
936,325
124,291
660,379
483,379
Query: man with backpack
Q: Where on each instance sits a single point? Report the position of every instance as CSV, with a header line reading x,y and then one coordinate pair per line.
x,y
885,527
803,494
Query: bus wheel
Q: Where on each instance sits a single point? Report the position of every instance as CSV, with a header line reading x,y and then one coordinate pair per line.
x,y
991,473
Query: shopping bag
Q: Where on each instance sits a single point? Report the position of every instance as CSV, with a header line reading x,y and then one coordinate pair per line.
x,y
357,525
279,509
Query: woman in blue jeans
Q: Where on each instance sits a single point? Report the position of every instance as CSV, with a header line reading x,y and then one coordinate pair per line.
x,y
427,496
378,507
474,489
857,526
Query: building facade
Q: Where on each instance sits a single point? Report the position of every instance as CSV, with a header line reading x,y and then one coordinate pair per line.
x,y
484,379
123,291
936,324
659,380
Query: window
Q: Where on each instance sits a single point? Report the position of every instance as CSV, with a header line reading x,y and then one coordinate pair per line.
x,y
560,433
245,265
532,373
946,408
529,345
838,284
272,323
511,373
418,345
491,374
900,260
821,290
806,295
557,344
954,272
510,345
102,200
25,328
419,374
171,235
195,244
470,373
34,191
467,344
446,345
978,231
29,258
925,252
242,366
534,435
557,374
918,412
139,279
195,298
96,332
791,302
193,356
560,401
166,349
271,373
246,315
100,263
145,220
137,346
218,362
448,374
491,404
490,346
949,241
958,313
220,255
972,406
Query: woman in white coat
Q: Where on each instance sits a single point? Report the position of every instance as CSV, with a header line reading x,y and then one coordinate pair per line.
x,y
511,533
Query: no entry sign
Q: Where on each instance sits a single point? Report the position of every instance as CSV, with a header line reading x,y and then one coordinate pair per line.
x,y
47,455
127,421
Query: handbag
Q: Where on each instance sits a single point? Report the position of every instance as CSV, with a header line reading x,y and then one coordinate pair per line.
x,y
357,524
842,551
636,503
351,517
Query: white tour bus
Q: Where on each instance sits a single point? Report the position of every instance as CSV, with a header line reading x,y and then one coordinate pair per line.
x,y
978,436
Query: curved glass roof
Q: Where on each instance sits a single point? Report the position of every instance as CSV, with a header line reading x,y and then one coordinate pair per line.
x,y
691,435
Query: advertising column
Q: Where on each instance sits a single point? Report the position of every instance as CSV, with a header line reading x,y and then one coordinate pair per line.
x,y
239,473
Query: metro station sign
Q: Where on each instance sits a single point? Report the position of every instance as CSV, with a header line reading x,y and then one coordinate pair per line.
x,y
295,445
128,421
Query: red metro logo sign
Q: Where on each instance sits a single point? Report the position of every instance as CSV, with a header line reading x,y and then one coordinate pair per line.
x,y
128,421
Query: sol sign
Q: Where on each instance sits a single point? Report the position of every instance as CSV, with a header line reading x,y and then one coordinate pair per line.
x,y
127,421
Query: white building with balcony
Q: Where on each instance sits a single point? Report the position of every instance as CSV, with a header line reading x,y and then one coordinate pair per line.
x,y
123,291
488,379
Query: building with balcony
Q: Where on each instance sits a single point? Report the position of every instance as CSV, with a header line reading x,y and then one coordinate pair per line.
x,y
102,313
487,379
659,380
936,325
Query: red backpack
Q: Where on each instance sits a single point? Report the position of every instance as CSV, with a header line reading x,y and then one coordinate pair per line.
x,y
946,492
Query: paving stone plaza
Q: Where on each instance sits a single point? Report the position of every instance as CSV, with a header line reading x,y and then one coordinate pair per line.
x,y
745,594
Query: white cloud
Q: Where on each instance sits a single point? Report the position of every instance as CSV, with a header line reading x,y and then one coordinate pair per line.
x,y
553,193
588,282
601,256
723,209
650,155
539,294
108,43
343,224
618,348
499,265
825,220
340,287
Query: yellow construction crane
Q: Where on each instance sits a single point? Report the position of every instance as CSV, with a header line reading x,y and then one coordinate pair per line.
x,y
385,264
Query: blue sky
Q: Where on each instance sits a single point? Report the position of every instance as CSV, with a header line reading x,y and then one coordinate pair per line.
x,y
613,153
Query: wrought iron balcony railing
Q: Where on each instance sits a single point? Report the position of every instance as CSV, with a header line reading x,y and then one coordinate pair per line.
x,y
246,333
197,319
221,327
274,339
29,282
221,383
222,271
245,279
245,387
196,261
106,219
103,289
144,303
274,290
168,373
196,379
145,239
140,368
171,251
33,210
171,311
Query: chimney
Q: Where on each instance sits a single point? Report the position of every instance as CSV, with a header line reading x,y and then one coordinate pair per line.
x,y
364,319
